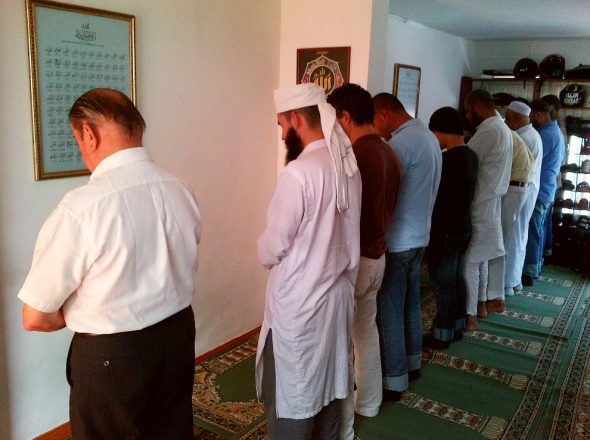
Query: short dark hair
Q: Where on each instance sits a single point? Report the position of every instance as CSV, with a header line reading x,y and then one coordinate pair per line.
x,y
446,120
108,104
355,100
538,105
386,101
553,101
481,96
311,115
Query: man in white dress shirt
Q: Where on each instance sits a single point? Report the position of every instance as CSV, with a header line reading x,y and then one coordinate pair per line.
x,y
492,143
115,263
312,247
517,118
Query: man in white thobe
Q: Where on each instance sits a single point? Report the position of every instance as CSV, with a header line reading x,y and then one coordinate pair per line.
x,y
492,143
517,118
312,247
512,205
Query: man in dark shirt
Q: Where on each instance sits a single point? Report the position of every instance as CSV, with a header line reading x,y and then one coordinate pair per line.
x,y
380,173
451,228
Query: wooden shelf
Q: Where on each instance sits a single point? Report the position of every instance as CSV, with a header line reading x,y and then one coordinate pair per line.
x,y
531,89
536,80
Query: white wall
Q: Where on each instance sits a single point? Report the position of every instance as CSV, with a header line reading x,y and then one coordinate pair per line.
x,y
503,54
378,60
443,59
205,72
329,23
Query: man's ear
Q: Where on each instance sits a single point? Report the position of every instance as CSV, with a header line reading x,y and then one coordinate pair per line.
x,y
380,114
346,117
91,136
345,121
295,120
477,108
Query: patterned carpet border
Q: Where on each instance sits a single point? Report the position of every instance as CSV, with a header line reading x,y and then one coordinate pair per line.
x,y
572,419
218,419
536,392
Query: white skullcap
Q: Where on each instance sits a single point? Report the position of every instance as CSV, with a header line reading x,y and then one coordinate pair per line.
x,y
520,108
309,94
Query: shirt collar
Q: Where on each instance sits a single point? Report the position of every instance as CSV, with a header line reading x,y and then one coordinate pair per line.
x,y
489,121
547,124
314,146
411,122
524,128
120,158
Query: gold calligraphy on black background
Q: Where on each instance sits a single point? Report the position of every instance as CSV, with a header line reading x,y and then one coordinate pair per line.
x,y
326,67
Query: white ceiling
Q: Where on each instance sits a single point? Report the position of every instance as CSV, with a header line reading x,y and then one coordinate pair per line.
x,y
499,19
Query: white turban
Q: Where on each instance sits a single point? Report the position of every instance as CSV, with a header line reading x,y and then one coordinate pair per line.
x,y
306,95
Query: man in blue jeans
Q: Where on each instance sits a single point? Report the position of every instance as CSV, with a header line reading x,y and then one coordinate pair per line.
x,y
553,148
399,317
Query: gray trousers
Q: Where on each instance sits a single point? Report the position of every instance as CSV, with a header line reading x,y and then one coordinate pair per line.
x,y
323,426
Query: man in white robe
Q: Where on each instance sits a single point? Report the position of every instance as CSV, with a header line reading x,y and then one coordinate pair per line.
x,y
312,247
492,143
512,204
517,118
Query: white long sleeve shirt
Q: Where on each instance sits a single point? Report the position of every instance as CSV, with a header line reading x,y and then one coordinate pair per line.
x,y
533,140
119,253
312,252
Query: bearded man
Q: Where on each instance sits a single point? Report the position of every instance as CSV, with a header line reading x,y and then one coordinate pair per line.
x,y
312,247
492,144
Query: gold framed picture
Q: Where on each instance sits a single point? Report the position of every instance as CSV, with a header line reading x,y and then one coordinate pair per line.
x,y
328,67
406,86
72,49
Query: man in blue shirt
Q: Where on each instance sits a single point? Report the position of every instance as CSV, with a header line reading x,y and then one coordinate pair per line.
x,y
553,148
399,317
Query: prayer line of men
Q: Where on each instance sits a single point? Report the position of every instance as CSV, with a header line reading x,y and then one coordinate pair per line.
x,y
115,261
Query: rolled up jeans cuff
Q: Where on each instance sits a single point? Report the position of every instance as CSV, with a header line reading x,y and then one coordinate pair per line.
x,y
443,334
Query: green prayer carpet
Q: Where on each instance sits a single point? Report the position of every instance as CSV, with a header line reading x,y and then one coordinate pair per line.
x,y
524,374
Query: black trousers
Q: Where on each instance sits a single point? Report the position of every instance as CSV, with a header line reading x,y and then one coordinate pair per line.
x,y
134,385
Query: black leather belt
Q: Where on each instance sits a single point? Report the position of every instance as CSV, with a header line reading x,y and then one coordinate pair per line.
x,y
516,183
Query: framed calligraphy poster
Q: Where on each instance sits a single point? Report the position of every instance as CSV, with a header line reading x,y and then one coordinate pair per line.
x,y
406,87
72,49
328,67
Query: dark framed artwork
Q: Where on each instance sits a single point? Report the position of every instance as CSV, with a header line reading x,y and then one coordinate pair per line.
x,y
406,86
72,49
328,67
